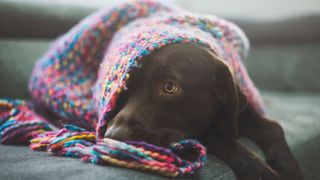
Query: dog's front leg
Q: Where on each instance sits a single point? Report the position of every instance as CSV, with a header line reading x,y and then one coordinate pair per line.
x,y
269,136
245,164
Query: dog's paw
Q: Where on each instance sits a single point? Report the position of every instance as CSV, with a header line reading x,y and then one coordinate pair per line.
x,y
286,167
256,170
285,164
269,174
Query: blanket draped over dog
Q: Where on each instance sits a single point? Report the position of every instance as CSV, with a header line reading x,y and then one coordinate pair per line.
x,y
84,71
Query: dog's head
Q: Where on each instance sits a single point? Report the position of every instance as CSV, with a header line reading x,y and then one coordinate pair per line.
x,y
181,91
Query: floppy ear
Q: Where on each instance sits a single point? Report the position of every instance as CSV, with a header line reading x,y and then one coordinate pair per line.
x,y
231,99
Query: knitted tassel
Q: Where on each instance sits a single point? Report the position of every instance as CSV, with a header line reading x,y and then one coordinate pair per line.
x,y
18,123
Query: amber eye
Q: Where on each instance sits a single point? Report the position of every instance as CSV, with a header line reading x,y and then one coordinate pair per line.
x,y
170,87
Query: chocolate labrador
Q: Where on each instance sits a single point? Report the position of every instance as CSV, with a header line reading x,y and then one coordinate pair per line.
x,y
185,91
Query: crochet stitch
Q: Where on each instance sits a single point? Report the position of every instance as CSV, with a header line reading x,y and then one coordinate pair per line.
x,y
84,71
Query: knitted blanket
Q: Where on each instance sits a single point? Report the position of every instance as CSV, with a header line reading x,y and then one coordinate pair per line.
x,y
80,77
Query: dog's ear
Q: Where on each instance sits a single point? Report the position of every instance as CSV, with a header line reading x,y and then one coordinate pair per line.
x,y
231,99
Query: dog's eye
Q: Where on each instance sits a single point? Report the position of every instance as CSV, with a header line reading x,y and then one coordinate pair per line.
x,y
170,87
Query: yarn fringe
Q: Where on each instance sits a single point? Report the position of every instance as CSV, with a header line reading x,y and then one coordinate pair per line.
x,y
19,121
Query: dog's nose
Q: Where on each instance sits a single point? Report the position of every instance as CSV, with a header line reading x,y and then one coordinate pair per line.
x,y
121,133
124,127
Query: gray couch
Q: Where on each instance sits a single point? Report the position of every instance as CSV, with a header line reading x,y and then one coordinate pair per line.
x,y
285,67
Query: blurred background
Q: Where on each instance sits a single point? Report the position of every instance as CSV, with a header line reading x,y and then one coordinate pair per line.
x,y
284,61
284,34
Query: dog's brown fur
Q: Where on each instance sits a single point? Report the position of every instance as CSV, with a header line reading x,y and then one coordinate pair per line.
x,y
209,107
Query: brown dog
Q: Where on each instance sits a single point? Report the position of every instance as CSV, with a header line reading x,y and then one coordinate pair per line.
x,y
184,91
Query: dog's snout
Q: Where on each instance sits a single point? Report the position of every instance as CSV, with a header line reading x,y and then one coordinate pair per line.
x,y
118,133
124,128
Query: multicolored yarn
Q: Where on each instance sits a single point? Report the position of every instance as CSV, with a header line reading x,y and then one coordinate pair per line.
x,y
84,71
19,124
73,141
